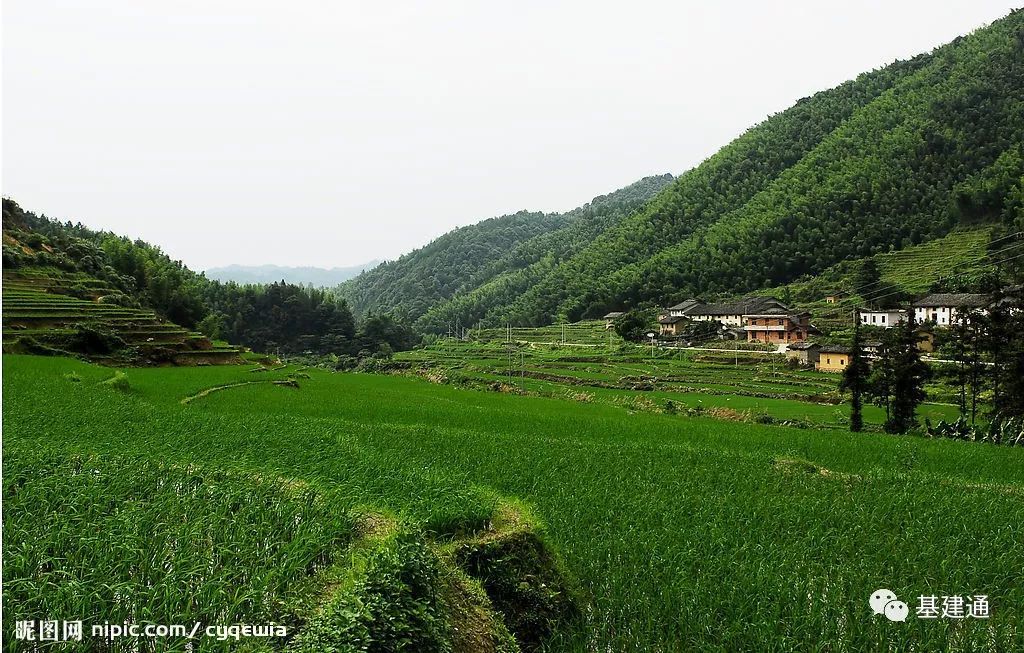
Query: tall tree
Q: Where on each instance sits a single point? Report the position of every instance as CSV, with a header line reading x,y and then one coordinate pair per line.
x,y
908,376
855,380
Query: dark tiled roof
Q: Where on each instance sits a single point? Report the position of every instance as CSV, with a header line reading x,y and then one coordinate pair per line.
x,y
682,305
955,300
800,346
835,349
613,315
745,306
671,320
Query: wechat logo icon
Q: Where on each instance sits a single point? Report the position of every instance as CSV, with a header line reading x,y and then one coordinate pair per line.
x,y
883,601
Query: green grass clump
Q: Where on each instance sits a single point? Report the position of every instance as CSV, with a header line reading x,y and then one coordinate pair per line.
x,y
391,602
119,381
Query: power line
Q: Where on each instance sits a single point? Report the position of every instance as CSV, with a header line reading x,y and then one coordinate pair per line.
x,y
897,292
857,289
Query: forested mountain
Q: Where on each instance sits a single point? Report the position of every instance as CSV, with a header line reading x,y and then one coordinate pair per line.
x,y
301,275
468,257
896,157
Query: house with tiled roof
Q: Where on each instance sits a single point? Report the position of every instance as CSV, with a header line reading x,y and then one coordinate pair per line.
x,y
832,358
777,325
942,308
728,313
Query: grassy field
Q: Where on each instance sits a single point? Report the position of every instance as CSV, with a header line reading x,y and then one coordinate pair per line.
x,y
681,532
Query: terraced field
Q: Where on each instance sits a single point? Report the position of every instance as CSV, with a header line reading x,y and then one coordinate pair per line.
x,y
738,385
913,270
675,532
36,315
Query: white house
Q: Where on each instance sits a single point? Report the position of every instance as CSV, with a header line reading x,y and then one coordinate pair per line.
x,y
943,308
885,318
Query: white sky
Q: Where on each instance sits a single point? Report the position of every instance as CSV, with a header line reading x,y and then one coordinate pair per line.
x,y
330,133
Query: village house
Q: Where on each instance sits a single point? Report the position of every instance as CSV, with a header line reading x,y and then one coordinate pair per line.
x,y
671,325
777,325
942,308
805,353
728,313
679,310
834,298
885,318
832,358
609,319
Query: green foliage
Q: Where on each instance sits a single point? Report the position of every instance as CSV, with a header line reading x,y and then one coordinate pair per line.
x,y
458,276
393,605
112,270
898,377
855,380
119,381
89,537
634,325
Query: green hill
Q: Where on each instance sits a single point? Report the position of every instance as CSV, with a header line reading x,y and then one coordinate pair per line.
x,y
894,158
483,253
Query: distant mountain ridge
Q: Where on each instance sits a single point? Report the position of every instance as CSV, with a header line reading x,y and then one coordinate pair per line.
x,y
301,275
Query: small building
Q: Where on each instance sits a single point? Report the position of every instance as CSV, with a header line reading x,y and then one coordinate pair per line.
x,y
942,309
805,353
832,358
609,319
777,325
672,325
884,318
835,297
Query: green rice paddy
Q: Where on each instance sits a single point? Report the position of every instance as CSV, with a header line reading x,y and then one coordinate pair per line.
x,y
680,532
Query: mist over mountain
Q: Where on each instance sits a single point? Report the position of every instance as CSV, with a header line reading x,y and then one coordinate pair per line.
x,y
312,276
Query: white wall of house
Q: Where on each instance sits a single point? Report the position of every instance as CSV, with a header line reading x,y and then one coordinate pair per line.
x,y
728,320
940,315
884,319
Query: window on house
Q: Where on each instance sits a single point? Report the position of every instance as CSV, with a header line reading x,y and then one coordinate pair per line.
x,y
828,361
883,319
873,318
